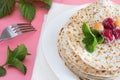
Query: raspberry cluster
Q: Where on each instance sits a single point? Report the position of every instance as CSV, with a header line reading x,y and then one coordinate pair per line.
x,y
111,29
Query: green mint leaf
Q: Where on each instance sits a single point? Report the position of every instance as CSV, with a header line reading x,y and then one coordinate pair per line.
x,y
6,7
16,56
86,30
90,40
20,52
91,47
17,64
90,44
48,2
87,40
45,6
10,55
27,10
2,71
98,35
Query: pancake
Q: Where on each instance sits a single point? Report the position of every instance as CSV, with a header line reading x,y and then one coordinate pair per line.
x,y
104,62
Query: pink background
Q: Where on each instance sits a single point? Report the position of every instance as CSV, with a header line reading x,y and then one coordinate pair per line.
x,y
29,39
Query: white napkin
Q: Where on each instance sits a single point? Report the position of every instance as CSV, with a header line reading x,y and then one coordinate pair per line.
x,y
41,69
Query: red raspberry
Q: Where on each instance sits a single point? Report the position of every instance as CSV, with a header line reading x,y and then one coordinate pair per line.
x,y
108,23
108,35
116,33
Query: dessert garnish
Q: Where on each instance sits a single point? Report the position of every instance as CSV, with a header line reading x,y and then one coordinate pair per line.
x,y
106,31
112,30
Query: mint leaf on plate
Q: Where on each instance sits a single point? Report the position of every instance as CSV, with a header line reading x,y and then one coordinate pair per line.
x,y
98,35
86,30
6,7
89,40
27,9
2,71
90,48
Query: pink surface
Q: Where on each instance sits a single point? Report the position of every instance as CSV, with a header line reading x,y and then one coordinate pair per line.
x,y
29,39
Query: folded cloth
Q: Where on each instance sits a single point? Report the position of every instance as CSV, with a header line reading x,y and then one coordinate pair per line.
x,y
41,69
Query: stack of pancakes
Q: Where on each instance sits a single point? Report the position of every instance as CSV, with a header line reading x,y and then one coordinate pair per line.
x,y
104,62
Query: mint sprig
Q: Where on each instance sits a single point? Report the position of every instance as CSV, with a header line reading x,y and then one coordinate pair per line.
x,y
92,38
15,58
89,40
26,7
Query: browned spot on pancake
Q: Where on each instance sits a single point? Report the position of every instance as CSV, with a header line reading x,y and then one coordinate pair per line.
x,y
103,71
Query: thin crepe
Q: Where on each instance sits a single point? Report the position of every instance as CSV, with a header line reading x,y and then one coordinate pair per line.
x,y
104,63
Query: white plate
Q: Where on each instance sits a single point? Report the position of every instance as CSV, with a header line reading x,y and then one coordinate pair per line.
x,y
49,40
